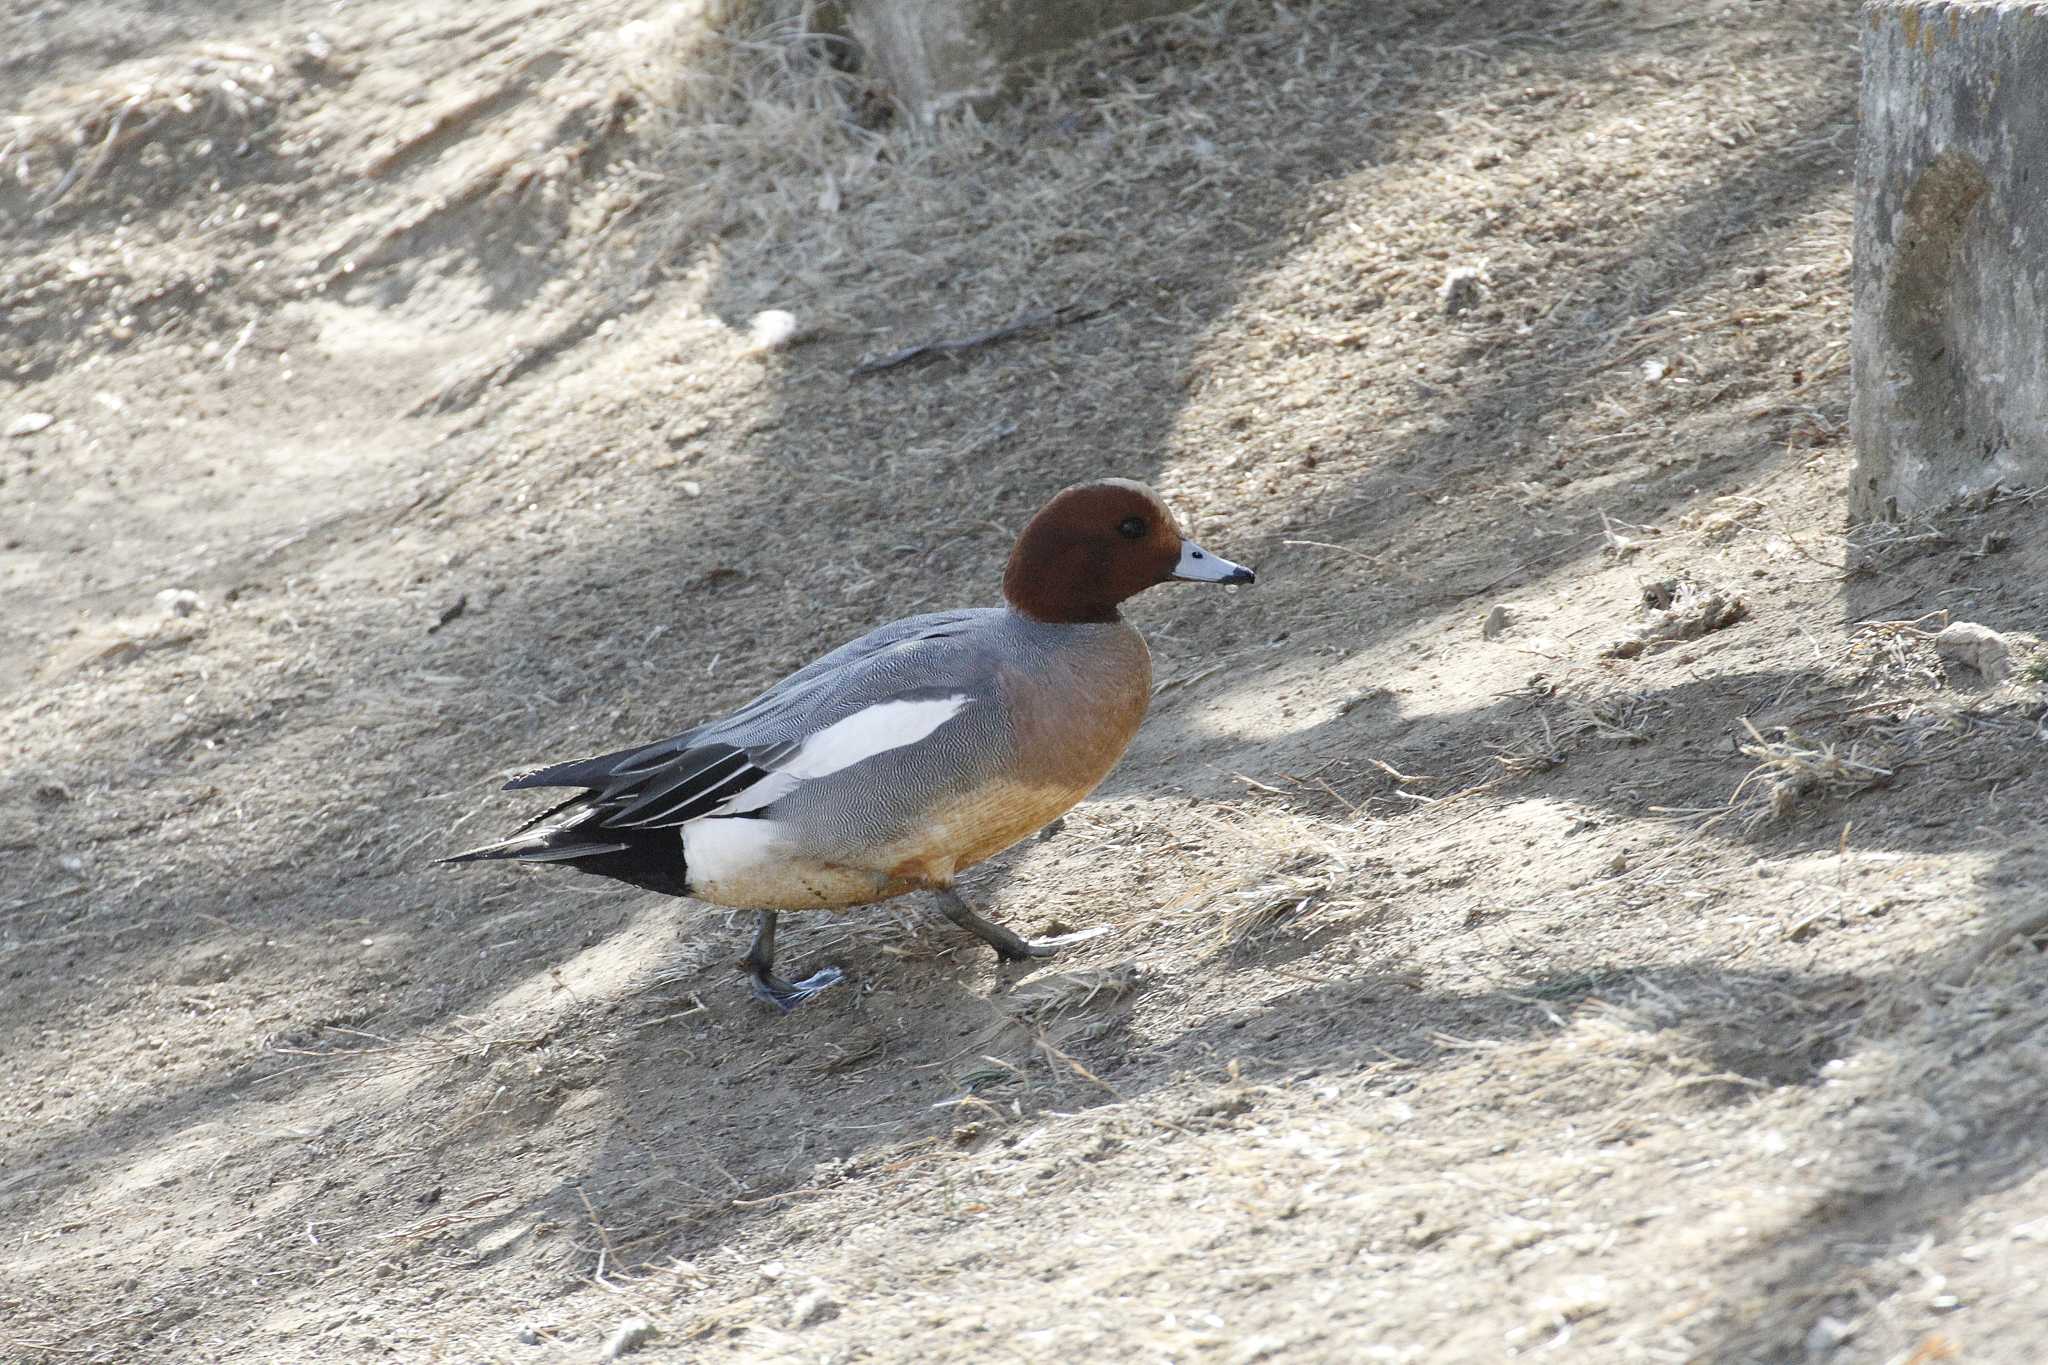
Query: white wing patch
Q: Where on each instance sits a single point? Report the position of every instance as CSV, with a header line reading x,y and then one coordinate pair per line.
x,y
869,731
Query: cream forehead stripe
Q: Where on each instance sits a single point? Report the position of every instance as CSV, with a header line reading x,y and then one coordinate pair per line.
x,y
869,731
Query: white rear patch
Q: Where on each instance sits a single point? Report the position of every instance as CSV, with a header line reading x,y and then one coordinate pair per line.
x,y
869,731
723,852
757,864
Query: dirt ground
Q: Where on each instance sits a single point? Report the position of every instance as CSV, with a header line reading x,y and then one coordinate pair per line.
x,y
1569,909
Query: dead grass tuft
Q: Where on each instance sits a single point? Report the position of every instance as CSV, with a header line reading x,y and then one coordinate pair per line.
x,y
1623,717
766,133
1536,751
1676,611
1900,654
1281,882
1792,770
1049,997
790,174
1257,912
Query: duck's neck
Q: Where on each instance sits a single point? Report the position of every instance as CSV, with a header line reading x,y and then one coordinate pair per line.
x,y
1060,611
1063,589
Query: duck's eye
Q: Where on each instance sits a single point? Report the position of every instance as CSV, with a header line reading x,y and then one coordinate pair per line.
x,y
1131,528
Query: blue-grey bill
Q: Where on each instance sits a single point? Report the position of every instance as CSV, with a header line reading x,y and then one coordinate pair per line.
x,y
1197,565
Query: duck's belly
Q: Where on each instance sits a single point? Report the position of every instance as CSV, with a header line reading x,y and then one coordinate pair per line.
x,y
761,865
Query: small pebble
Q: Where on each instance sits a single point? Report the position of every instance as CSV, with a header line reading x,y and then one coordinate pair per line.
x,y
631,1335
1975,647
452,612
1351,701
1496,622
1826,1335
1462,290
771,330
813,1308
179,602
29,423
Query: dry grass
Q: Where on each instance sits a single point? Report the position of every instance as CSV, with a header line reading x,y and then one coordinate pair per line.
x,y
769,140
1680,1049
1792,770
1254,914
2024,927
1048,997
1537,749
791,174
1886,543
763,126
1286,870
1675,611
1620,717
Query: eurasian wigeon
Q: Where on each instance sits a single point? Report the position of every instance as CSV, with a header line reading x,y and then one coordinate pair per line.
x,y
902,759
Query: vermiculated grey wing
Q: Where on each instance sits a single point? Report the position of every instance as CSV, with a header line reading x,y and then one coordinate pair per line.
x,y
693,774
937,625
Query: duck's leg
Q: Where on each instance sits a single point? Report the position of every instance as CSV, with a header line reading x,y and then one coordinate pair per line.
x,y
1009,945
759,964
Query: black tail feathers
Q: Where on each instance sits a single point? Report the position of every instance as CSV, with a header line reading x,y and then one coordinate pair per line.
x,y
649,858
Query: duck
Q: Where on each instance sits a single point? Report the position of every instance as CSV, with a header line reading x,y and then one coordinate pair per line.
x,y
897,761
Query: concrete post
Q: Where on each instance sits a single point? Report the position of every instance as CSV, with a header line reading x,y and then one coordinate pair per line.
x,y
1949,343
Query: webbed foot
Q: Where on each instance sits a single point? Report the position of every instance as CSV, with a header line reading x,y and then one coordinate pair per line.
x,y
771,989
767,987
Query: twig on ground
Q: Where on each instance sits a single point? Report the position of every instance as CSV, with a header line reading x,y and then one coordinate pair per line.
x,y
1391,771
1064,315
1377,561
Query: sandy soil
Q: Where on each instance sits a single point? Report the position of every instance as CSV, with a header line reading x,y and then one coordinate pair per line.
x,y
1571,908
